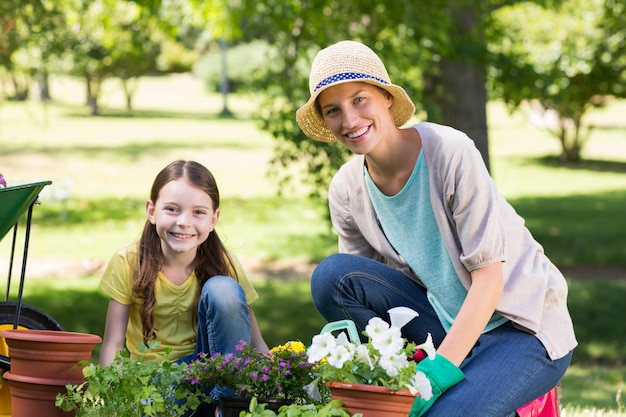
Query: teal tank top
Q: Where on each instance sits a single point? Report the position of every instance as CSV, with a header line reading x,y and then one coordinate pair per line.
x,y
408,221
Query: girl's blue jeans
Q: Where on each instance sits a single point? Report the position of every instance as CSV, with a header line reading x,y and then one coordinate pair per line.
x,y
506,369
223,316
223,321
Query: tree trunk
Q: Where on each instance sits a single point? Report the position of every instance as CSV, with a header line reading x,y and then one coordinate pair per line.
x,y
224,87
93,90
43,85
454,89
467,108
128,92
20,87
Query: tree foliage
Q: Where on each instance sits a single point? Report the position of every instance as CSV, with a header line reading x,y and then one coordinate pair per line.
x,y
112,38
94,40
29,38
296,31
570,59
436,50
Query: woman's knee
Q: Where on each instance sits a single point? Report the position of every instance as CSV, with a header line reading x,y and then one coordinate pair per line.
x,y
327,268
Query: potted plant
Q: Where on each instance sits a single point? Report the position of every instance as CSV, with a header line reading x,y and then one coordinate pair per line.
x,y
131,388
278,378
378,378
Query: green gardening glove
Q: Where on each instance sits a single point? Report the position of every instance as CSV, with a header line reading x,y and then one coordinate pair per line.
x,y
442,375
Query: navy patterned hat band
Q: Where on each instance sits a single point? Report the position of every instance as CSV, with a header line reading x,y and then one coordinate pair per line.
x,y
344,62
347,76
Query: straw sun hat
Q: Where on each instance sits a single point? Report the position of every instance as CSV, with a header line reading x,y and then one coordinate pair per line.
x,y
344,62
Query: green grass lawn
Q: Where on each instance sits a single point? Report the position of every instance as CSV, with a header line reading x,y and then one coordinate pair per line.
x,y
576,212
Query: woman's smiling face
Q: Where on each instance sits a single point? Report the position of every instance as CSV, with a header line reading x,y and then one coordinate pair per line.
x,y
357,114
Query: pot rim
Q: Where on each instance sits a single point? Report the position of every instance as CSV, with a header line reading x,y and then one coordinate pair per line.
x,y
51,336
39,381
367,388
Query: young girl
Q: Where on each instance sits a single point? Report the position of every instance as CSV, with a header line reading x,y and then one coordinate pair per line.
x,y
422,225
178,285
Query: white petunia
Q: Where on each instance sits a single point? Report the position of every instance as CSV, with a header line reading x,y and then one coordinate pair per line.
x,y
400,316
376,328
339,356
420,384
342,340
389,342
362,355
321,345
393,363
428,347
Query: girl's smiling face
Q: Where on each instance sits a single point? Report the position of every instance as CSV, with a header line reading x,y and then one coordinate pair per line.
x,y
357,114
183,215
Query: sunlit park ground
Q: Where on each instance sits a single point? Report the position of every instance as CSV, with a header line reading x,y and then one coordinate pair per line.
x,y
102,169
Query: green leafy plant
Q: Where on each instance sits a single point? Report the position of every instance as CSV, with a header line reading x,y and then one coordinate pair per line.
x,y
128,388
330,409
284,373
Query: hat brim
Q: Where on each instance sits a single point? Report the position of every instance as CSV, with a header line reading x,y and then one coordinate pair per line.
x,y
314,126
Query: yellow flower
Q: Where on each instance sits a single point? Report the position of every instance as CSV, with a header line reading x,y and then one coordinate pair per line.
x,y
291,346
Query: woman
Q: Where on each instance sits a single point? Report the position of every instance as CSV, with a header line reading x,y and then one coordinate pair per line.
x,y
422,225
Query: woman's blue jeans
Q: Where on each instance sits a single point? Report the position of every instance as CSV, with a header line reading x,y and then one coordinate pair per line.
x,y
506,369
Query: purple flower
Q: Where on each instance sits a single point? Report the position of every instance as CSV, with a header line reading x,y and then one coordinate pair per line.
x,y
284,373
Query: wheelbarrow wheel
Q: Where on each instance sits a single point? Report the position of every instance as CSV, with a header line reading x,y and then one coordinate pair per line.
x,y
31,318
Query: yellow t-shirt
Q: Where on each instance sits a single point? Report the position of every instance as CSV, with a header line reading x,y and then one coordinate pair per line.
x,y
174,306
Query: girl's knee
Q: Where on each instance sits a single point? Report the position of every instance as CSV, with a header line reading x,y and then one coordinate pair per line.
x,y
222,290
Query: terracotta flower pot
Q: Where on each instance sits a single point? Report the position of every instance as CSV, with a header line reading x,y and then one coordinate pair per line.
x,y
31,396
371,400
42,363
49,353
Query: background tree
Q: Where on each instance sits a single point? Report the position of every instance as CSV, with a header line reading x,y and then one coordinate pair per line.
x,y
295,31
436,50
138,44
572,58
113,38
31,34
223,26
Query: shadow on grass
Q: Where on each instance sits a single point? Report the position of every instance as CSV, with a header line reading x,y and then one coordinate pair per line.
x,y
286,312
131,151
579,229
596,308
73,111
596,165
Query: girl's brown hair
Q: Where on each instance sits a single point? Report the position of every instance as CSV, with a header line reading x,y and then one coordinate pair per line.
x,y
212,257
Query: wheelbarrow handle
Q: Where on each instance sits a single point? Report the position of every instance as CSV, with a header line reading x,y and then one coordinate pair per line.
x,y
347,325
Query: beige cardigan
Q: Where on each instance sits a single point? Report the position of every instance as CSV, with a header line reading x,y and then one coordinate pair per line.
x,y
478,227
